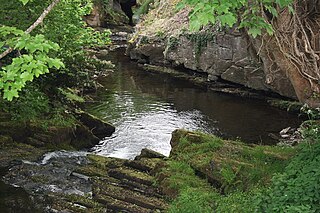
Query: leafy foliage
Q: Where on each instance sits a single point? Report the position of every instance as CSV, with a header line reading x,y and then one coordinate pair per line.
x,y
33,63
59,43
298,188
31,103
248,14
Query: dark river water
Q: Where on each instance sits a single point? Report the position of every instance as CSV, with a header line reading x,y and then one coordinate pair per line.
x,y
147,107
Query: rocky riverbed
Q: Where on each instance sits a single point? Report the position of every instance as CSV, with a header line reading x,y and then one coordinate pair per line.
x,y
82,182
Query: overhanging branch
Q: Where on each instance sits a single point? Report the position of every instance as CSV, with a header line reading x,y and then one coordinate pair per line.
x,y
34,25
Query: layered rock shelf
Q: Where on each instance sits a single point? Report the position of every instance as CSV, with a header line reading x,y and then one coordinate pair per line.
x,y
77,182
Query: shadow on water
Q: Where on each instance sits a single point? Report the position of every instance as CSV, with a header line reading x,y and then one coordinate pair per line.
x,y
147,107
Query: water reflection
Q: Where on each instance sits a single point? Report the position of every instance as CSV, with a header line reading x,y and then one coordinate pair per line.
x,y
146,108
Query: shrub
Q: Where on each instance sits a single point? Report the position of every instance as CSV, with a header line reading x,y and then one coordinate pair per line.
x,y
298,188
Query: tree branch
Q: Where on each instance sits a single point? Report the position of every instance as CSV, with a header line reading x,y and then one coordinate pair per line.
x,y
34,25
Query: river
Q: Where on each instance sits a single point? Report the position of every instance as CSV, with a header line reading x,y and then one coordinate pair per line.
x,y
146,107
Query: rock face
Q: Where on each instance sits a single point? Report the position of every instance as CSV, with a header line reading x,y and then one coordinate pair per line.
x,y
220,55
96,17
104,14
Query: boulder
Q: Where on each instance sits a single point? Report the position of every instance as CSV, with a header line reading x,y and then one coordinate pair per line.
x,y
148,153
99,128
97,16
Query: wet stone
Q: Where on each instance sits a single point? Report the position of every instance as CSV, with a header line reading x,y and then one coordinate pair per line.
x,y
83,182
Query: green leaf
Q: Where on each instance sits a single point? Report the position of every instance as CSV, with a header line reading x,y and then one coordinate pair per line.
x,y
20,44
10,94
26,76
291,9
57,63
180,5
254,31
24,2
37,72
195,25
32,48
10,75
272,10
269,29
228,19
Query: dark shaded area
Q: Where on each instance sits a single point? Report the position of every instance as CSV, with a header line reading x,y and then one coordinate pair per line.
x,y
15,199
126,7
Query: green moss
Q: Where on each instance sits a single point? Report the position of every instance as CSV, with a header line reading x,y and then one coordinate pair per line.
x,y
182,176
71,95
76,203
192,193
40,179
91,171
83,200
194,200
290,106
231,165
104,162
61,146
144,8
201,40
144,40
11,151
172,43
236,170
238,201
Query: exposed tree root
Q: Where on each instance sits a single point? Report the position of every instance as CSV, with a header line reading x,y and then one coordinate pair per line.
x,y
295,48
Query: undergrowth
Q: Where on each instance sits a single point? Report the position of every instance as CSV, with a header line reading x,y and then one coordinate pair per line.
x,y
297,189
292,184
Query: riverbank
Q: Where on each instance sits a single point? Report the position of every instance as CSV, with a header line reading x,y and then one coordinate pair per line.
x,y
203,173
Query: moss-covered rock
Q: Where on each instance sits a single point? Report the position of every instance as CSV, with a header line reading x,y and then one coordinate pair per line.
x,y
229,165
18,130
148,153
290,106
71,134
205,173
90,183
97,126
13,153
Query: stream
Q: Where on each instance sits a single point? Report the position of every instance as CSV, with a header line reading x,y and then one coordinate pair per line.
x,y
146,107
